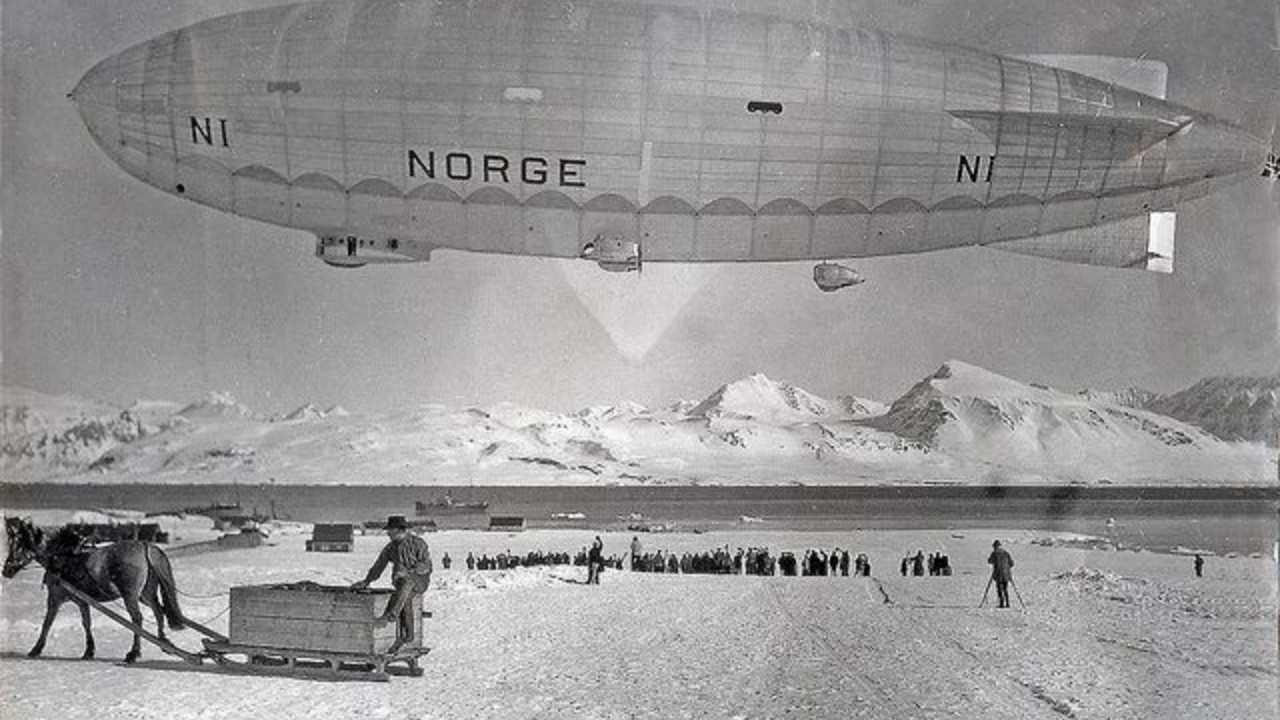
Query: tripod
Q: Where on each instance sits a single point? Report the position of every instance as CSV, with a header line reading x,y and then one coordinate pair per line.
x,y
1015,592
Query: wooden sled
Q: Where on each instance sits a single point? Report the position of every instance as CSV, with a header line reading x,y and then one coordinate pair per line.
x,y
318,665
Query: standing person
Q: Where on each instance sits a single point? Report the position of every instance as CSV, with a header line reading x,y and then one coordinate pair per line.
x,y
471,561
410,561
1001,572
595,561
1199,566
446,561
635,553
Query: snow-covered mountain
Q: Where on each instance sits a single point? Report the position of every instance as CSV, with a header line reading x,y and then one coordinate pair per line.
x,y
960,424
48,432
1133,397
962,403
967,412
1232,408
759,398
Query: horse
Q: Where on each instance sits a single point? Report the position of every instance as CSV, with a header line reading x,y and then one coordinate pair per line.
x,y
128,570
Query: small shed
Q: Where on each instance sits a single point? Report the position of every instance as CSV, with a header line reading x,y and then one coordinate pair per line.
x,y
506,523
335,537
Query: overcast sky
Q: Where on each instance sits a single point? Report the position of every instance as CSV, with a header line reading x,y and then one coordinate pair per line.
x,y
116,291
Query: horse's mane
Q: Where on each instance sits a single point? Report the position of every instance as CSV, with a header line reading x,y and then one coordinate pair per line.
x,y
66,540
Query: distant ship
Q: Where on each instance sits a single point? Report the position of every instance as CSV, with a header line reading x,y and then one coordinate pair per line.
x,y
448,506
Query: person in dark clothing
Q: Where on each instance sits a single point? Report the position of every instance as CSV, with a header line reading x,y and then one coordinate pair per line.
x,y
863,566
787,564
595,561
904,566
1199,566
410,561
471,561
1001,572
917,564
446,561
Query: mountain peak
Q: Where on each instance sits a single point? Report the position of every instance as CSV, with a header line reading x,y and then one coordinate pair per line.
x,y
217,404
758,397
305,412
624,409
959,378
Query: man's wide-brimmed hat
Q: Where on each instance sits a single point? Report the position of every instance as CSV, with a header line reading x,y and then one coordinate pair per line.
x,y
995,544
396,522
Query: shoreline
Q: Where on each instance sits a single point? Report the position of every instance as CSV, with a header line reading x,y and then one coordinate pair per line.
x,y
1223,519
1267,491
193,528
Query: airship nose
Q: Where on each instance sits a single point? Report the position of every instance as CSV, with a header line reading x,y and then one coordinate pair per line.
x,y
95,97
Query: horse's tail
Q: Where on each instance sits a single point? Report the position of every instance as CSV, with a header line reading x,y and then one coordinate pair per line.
x,y
159,563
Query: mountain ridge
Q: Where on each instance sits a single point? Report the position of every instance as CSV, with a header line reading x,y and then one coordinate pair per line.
x,y
961,423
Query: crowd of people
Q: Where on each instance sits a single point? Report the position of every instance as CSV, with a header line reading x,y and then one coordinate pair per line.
x,y
721,561
751,561
818,562
937,564
812,562
508,560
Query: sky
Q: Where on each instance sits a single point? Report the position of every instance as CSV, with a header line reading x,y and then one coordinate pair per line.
x,y
113,290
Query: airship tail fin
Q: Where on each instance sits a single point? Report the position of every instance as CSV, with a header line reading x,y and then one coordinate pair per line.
x,y
1014,130
1149,77
1144,242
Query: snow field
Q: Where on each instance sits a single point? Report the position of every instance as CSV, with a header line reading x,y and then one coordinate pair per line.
x,y
1104,635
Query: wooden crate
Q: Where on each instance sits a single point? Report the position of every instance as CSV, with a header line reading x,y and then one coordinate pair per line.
x,y
313,617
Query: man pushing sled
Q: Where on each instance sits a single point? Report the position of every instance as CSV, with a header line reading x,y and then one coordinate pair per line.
x,y
410,561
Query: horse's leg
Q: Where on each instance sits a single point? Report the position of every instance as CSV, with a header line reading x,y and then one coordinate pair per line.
x,y
88,631
135,614
153,602
54,601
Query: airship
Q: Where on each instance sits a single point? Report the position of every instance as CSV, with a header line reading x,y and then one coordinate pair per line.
x,y
625,132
